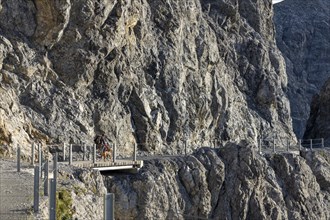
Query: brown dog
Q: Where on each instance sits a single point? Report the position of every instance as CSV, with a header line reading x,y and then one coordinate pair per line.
x,y
106,153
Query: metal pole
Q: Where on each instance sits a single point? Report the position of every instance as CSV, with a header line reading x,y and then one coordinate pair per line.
x,y
18,158
322,142
94,153
311,144
52,200
260,145
42,168
114,152
134,153
288,145
109,207
84,154
299,144
40,158
64,151
36,190
274,145
46,178
55,165
70,154
185,147
32,158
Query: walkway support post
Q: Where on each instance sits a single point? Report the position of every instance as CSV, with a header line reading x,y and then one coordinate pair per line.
x,y
114,152
32,158
70,154
52,200
46,178
18,158
109,207
322,142
311,144
64,151
36,190
94,153
134,153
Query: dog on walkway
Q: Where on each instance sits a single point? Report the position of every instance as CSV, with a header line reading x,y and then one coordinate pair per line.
x,y
106,153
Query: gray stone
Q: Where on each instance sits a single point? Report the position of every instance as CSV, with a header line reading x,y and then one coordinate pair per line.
x,y
303,36
154,73
231,183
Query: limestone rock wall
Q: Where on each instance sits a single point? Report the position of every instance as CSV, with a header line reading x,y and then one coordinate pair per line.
x,y
232,183
303,36
318,122
154,72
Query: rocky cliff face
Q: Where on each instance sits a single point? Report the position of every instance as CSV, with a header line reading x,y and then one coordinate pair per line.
x,y
303,36
153,72
232,183
318,122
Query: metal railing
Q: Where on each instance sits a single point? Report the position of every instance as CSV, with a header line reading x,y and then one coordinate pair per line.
x,y
284,145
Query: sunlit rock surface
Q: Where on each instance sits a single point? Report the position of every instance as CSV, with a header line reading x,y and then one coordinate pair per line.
x,y
149,72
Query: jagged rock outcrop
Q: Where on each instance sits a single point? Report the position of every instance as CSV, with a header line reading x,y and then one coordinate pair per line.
x,y
80,195
151,72
318,122
234,182
303,36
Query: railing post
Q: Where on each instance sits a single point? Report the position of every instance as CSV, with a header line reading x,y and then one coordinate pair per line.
x,y
32,158
36,190
18,158
274,150
260,146
84,154
311,144
134,152
185,147
55,159
46,179
109,207
94,153
70,154
322,142
299,143
40,159
114,152
52,200
64,151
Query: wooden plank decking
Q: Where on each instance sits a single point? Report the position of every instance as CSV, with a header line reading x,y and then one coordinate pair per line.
x,y
108,165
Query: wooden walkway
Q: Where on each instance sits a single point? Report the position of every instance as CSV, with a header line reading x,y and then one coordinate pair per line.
x,y
108,165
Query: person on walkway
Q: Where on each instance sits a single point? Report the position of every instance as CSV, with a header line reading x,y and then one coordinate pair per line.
x,y
103,146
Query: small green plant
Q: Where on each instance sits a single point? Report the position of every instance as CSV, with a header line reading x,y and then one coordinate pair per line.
x,y
325,155
79,191
64,209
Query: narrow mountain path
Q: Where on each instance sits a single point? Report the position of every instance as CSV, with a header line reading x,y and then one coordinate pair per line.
x,y
16,191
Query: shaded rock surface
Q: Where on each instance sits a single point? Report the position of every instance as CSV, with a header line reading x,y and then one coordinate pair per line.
x,y
231,183
303,36
318,123
150,72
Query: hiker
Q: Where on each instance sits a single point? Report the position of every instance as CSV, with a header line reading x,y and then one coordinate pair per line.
x,y
103,146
